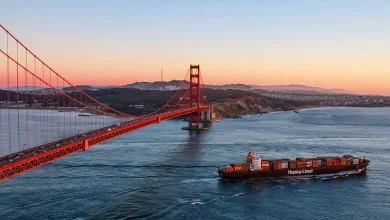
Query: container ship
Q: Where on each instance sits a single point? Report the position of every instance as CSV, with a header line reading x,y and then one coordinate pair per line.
x,y
255,167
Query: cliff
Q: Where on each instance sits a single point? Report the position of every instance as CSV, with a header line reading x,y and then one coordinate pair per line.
x,y
254,105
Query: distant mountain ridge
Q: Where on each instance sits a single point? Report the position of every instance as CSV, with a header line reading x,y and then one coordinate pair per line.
x,y
180,84
176,84
158,85
81,87
301,88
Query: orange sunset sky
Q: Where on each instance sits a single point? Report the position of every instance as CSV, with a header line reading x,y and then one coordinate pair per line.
x,y
329,44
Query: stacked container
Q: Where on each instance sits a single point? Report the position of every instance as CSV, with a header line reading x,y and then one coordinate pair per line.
x,y
321,162
237,166
343,161
355,161
229,169
301,163
315,163
308,163
284,164
265,165
293,164
240,166
336,162
277,165
329,162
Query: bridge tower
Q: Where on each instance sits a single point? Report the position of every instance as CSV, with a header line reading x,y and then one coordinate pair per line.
x,y
194,97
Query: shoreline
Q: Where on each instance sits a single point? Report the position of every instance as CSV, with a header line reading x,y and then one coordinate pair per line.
x,y
297,109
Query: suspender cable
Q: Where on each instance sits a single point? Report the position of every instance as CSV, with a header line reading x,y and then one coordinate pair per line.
x,y
8,103
26,93
58,116
17,94
41,109
33,101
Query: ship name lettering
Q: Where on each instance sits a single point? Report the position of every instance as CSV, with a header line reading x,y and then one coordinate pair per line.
x,y
299,172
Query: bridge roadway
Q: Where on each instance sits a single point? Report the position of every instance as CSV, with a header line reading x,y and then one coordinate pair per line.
x,y
14,164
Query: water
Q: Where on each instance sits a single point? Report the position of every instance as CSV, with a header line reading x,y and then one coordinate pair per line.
x,y
162,172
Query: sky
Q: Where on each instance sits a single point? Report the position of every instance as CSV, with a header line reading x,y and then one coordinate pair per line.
x,y
329,44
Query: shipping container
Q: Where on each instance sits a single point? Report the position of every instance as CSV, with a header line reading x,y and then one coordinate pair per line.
x,y
309,163
277,165
315,163
329,162
228,169
292,164
234,165
301,163
239,166
355,161
265,162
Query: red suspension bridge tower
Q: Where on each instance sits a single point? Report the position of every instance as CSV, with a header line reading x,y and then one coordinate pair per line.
x,y
195,118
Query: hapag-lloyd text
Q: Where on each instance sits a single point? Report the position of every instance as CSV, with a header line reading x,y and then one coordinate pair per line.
x,y
299,172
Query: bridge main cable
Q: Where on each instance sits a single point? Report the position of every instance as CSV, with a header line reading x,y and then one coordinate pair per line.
x,y
51,69
177,91
48,84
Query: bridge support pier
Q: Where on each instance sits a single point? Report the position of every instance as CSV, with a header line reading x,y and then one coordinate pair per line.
x,y
206,115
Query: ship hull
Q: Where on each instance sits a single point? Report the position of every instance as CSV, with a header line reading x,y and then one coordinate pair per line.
x,y
291,172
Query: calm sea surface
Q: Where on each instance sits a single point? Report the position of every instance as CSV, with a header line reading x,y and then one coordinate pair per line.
x,y
162,172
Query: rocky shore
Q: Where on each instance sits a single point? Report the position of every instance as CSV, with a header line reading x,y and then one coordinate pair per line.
x,y
236,108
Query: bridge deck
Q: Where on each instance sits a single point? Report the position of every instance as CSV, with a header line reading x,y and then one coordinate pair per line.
x,y
14,164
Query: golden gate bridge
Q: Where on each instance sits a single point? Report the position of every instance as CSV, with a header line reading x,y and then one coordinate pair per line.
x,y
39,119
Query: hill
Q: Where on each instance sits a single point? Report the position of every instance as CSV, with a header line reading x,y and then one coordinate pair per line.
x,y
176,84
300,88
81,87
158,85
227,103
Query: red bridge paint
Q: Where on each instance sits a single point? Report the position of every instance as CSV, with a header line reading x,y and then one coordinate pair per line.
x,y
25,69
